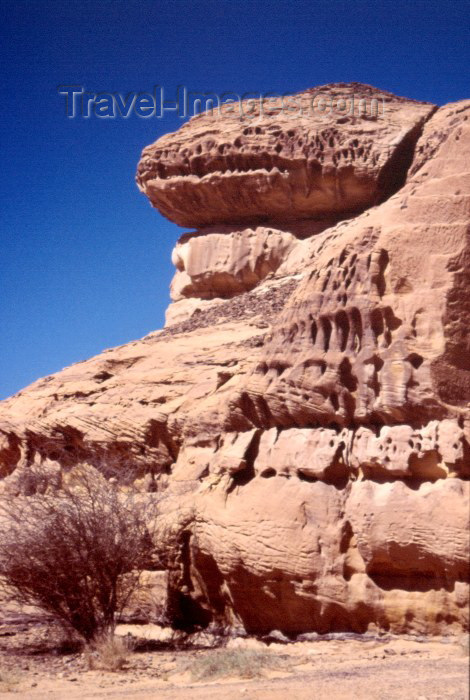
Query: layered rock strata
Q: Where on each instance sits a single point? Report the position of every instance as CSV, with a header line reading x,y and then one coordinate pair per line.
x,y
304,415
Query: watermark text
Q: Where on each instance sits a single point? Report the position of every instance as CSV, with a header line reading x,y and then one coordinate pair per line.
x,y
79,102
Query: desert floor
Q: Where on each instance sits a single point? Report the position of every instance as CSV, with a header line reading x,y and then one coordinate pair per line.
x,y
385,668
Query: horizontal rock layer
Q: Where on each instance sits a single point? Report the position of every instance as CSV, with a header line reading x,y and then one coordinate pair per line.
x,y
225,264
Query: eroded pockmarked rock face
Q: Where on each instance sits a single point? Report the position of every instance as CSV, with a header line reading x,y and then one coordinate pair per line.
x,y
375,332
224,264
280,165
305,417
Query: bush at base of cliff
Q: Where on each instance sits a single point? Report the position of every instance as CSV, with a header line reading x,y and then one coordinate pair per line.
x,y
77,553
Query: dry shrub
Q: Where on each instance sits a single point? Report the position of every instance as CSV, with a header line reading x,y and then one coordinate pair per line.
x,y
109,653
236,663
77,553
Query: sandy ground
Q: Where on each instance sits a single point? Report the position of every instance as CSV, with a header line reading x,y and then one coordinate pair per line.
x,y
382,669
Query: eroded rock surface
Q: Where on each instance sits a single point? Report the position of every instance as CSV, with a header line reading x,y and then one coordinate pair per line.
x,y
282,164
304,415
224,264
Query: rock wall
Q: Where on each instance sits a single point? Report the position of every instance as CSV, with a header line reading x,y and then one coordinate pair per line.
x,y
304,415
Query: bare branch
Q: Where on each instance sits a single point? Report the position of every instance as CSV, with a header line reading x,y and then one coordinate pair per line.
x,y
77,552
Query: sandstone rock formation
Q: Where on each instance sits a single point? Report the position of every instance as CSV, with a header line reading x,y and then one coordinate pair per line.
x,y
224,264
284,161
305,413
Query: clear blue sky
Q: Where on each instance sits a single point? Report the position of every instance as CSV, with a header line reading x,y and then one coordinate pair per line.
x,y
84,260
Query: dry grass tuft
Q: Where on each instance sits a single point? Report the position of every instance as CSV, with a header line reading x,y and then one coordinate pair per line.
x,y
236,663
465,645
109,653
8,681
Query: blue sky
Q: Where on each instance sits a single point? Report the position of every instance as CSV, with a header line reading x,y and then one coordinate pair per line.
x,y
84,260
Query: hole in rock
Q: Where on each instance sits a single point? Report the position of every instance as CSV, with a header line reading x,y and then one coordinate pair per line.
x,y
377,322
326,328
102,376
306,477
342,324
313,332
380,279
185,612
346,376
356,323
427,467
337,474
392,322
415,360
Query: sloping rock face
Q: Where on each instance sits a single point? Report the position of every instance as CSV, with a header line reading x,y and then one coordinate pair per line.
x,y
304,415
